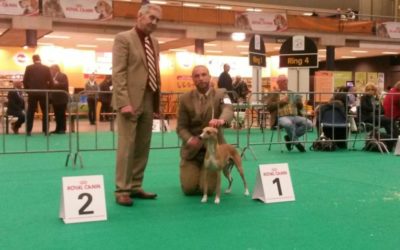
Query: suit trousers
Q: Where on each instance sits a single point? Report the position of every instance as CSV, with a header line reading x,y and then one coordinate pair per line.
x,y
134,137
33,99
92,109
59,113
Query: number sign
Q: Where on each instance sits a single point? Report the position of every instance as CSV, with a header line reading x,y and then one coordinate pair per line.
x,y
273,183
83,199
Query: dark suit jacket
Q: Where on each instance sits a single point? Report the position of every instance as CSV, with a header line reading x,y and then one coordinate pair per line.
x,y
191,120
60,83
105,86
225,81
37,76
15,104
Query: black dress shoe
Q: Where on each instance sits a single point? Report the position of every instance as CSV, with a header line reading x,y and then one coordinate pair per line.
x,y
288,144
141,194
300,147
124,200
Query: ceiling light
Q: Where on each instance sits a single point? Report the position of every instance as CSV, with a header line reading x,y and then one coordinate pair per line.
x,y
359,51
214,51
238,36
364,45
158,2
178,50
103,39
390,53
253,10
86,46
45,44
242,46
307,14
191,5
223,7
57,37
348,57
210,44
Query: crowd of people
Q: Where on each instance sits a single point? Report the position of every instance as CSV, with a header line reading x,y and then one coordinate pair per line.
x,y
49,87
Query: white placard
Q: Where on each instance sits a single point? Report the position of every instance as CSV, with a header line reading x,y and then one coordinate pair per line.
x,y
397,148
157,125
83,199
298,43
273,183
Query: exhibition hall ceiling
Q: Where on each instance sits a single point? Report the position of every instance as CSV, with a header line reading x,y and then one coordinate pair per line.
x,y
103,43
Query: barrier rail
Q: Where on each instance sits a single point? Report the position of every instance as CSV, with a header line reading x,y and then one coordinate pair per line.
x,y
255,112
31,143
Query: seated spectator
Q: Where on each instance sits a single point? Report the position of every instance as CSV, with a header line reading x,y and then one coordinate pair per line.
x,y
16,106
241,89
334,114
288,108
371,111
391,102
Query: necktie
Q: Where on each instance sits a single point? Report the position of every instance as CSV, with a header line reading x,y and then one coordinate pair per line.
x,y
203,104
151,64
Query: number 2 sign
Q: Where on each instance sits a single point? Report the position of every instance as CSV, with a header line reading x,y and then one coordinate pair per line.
x,y
273,183
83,199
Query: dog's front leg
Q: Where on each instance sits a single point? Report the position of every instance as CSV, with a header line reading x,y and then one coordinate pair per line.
x,y
218,188
205,186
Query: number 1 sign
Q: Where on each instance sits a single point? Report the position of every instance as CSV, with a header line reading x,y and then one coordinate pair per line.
x,y
273,183
83,199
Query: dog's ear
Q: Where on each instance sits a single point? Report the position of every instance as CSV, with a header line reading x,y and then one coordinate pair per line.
x,y
214,130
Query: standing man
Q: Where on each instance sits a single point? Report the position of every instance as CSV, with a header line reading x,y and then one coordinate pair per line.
x,y
92,87
16,106
59,99
199,108
225,80
37,77
105,99
136,96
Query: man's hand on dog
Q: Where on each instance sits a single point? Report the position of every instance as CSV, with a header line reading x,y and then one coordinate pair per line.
x,y
216,123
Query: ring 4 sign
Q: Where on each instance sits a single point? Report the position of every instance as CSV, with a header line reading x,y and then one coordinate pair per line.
x,y
298,52
257,52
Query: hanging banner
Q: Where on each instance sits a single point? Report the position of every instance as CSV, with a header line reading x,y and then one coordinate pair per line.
x,y
89,9
19,7
388,29
261,21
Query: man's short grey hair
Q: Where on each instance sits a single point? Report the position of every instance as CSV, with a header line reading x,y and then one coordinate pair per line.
x,y
200,66
147,7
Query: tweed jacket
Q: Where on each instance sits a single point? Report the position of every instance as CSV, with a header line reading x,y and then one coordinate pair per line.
x,y
130,71
193,117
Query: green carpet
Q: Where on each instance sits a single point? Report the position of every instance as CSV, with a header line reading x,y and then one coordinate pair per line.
x,y
344,200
